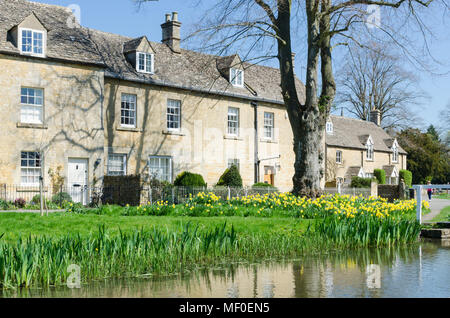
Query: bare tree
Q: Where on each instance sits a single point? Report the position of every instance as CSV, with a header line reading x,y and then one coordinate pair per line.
x,y
373,79
266,24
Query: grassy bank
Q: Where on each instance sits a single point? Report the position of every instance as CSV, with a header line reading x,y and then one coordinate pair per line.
x,y
444,216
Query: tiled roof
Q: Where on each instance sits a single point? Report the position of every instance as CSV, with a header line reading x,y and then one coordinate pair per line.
x,y
353,133
189,70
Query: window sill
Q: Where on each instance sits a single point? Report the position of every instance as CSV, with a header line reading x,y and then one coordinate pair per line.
x,y
123,128
32,126
173,133
270,141
232,137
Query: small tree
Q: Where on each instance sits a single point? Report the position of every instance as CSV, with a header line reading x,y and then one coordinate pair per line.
x,y
231,178
380,174
358,182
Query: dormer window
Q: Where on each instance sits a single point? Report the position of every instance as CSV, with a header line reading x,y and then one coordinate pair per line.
x,y
329,128
394,153
32,42
369,150
144,62
237,77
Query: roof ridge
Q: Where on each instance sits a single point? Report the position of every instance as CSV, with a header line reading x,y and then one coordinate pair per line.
x,y
44,4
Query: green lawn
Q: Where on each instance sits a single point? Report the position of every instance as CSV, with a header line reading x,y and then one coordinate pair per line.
x,y
14,225
444,216
442,196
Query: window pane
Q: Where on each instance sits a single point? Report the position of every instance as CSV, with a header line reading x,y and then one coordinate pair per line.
x,y
233,121
117,165
173,114
30,168
128,110
160,168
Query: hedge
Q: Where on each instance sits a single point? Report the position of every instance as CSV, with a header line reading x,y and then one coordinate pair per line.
x,y
380,174
122,190
358,182
406,175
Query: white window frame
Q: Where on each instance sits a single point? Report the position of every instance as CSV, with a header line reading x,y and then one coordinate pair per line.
x,y
30,170
237,77
329,127
236,162
233,121
166,176
117,172
369,150
26,107
339,156
395,154
269,125
173,115
33,32
125,98
145,66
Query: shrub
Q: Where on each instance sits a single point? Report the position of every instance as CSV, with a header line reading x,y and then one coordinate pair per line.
x,y
20,203
406,175
36,199
358,182
61,197
230,178
188,179
380,174
4,205
262,185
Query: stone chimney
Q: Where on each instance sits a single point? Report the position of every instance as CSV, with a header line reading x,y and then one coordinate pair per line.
x,y
171,32
375,117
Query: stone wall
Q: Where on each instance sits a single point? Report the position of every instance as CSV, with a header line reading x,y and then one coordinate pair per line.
x,y
390,192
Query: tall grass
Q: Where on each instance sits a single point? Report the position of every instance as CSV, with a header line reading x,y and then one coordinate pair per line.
x,y
43,261
367,230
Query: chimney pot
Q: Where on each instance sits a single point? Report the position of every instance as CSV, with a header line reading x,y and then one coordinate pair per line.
x,y
174,16
167,17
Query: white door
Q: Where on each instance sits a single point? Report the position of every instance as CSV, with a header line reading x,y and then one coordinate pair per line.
x,y
78,180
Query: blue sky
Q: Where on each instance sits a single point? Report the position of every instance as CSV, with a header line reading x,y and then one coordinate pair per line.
x,y
123,17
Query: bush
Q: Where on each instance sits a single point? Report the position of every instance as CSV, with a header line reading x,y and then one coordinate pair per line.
x,y
188,179
358,182
230,178
4,205
20,203
262,185
380,174
61,197
406,175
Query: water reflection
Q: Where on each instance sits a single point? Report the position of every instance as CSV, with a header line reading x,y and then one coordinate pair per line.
x,y
414,271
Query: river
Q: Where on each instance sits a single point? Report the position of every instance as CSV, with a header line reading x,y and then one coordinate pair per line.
x,y
422,270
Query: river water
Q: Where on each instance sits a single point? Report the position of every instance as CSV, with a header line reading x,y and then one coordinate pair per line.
x,y
414,271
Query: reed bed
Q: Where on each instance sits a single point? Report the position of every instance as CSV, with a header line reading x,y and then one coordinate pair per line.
x,y
43,261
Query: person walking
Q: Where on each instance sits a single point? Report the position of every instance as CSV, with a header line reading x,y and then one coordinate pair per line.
x,y
430,191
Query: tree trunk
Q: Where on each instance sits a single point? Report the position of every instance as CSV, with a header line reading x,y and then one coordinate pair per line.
x,y
306,120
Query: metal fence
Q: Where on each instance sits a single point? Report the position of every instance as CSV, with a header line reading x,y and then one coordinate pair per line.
x,y
88,195
365,192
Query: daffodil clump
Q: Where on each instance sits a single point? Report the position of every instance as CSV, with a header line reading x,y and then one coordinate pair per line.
x,y
282,205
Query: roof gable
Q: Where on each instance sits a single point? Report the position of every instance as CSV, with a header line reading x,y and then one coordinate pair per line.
x,y
32,22
354,133
140,44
